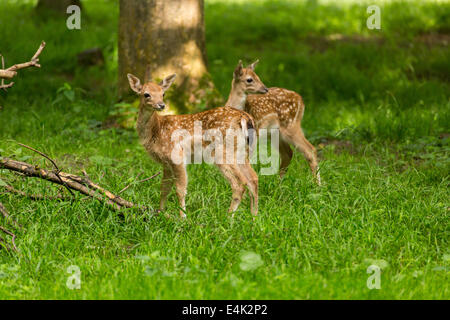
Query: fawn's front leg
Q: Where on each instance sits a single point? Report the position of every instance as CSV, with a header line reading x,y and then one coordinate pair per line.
x,y
180,175
166,186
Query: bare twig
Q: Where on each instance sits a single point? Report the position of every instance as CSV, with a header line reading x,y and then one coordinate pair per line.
x,y
53,162
32,171
13,236
38,52
140,181
85,173
34,62
11,72
91,185
6,86
40,153
149,178
124,189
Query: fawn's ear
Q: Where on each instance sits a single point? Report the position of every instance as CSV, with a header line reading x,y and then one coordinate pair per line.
x,y
135,83
253,65
238,71
167,82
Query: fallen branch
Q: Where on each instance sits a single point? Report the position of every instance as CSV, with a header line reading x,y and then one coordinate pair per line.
x,y
52,161
81,184
11,72
84,185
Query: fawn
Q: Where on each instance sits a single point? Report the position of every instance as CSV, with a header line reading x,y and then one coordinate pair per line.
x,y
283,109
156,134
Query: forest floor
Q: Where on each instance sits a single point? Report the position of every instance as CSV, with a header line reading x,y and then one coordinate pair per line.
x,y
377,108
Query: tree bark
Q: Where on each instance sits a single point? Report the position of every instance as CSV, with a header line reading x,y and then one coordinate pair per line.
x,y
59,6
166,36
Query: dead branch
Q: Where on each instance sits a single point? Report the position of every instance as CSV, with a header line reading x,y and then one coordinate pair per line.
x,y
13,237
6,74
77,183
91,185
11,72
34,62
52,161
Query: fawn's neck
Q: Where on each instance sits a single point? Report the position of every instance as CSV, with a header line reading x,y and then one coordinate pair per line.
x,y
237,97
147,120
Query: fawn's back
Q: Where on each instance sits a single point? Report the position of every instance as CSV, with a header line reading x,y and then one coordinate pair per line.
x,y
279,108
159,139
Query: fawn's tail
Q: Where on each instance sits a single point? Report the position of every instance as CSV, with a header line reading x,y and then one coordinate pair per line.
x,y
249,130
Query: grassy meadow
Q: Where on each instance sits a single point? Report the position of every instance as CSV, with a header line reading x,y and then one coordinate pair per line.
x,y
377,109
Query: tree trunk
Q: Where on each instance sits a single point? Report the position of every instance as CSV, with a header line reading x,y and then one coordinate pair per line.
x,y
59,6
166,36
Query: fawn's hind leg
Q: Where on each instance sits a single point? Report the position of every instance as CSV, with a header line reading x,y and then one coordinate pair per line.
x,y
295,136
286,157
252,185
236,183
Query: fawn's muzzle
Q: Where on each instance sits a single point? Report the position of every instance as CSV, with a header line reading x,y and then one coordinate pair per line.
x,y
264,90
161,106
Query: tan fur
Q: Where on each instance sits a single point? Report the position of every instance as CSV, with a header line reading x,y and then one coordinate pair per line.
x,y
282,109
155,132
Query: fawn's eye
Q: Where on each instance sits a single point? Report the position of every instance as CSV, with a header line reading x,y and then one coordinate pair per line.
x,y
249,80
147,95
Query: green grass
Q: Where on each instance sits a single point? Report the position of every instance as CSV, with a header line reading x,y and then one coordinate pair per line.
x,y
378,111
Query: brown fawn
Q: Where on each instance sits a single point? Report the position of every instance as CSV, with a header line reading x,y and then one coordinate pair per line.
x,y
156,133
281,109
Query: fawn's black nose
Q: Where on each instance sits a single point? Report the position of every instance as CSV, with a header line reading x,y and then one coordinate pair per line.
x,y
264,90
161,106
